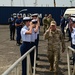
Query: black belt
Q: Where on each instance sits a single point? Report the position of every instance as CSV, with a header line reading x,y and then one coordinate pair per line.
x,y
32,42
26,42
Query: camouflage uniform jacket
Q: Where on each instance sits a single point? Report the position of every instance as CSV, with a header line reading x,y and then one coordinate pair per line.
x,y
49,20
44,21
54,39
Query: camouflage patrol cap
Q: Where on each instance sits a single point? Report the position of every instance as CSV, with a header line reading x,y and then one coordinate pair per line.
x,y
53,23
50,15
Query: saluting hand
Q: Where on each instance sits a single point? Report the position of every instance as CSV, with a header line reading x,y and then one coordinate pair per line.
x,y
31,26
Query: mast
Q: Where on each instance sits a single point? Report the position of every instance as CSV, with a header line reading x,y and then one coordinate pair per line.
x,y
11,2
54,3
35,4
24,2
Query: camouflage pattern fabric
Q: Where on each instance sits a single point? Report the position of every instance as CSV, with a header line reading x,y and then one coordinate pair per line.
x,y
54,45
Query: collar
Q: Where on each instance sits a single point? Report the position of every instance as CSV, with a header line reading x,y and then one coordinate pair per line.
x,y
53,31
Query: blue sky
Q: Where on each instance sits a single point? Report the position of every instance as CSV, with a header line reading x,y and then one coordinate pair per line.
x,y
59,3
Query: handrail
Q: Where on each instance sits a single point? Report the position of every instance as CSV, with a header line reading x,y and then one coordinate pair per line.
x,y
20,59
68,59
71,48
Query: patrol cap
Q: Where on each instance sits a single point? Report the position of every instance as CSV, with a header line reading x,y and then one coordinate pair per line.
x,y
34,21
34,15
50,15
73,20
27,19
53,23
73,15
45,15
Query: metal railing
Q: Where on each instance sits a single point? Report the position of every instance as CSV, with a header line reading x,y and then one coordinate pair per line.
x,y
29,67
68,61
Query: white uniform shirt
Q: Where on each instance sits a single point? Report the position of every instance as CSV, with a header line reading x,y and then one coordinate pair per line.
x,y
33,35
73,36
37,33
24,36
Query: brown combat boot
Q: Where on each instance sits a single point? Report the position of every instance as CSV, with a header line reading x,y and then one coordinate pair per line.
x,y
51,69
56,73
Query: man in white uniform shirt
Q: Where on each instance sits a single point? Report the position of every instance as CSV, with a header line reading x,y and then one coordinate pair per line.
x,y
35,16
26,32
73,38
33,37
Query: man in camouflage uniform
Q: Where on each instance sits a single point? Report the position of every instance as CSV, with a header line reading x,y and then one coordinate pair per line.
x,y
45,23
55,38
49,19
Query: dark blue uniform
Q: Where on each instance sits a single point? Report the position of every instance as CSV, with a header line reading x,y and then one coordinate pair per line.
x,y
36,43
69,32
62,23
18,29
33,36
11,22
26,45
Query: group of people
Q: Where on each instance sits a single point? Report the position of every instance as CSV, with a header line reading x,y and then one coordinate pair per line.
x,y
11,22
28,31
55,41
15,23
70,22
55,36
27,35
63,22
71,29
46,21
30,37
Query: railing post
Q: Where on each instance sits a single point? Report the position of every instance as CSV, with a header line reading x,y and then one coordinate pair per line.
x,y
74,69
34,61
17,70
28,64
29,68
68,61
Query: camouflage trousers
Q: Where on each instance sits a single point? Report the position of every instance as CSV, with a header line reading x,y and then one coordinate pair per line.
x,y
45,27
53,57
48,25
